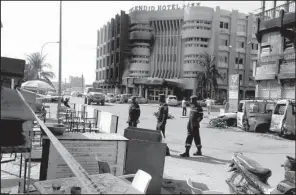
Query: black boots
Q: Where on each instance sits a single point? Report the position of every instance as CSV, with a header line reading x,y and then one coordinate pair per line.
x,y
168,152
198,152
186,153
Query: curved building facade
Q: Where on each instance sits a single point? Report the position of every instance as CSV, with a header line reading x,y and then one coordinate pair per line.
x,y
165,46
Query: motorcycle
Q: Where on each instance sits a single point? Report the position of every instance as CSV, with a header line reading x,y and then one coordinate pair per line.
x,y
249,177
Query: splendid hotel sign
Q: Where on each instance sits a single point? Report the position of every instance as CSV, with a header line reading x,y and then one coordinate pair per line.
x,y
162,7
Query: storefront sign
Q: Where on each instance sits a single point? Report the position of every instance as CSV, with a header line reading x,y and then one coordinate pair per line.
x,y
233,92
162,7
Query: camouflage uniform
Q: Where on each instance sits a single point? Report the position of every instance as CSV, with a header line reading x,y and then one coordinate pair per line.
x,y
196,115
134,114
162,116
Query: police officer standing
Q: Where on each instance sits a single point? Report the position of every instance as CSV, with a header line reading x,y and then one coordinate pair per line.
x,y
134,113
196,115
162,116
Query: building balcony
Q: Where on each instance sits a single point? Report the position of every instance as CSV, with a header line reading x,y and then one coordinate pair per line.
x,y
239,66
222,65
224,31
223,48
242,34
254,52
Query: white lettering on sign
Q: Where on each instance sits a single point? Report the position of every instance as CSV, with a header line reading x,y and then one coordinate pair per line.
x,y
162,7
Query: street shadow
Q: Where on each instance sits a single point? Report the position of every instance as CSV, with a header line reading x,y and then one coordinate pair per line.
x,y
99,105
180,186
204,159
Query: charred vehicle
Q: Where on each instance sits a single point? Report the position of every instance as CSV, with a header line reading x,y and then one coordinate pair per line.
x,y
249,177
283,118
255,115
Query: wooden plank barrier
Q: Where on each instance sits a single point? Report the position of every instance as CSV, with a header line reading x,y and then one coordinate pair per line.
x,y
76,168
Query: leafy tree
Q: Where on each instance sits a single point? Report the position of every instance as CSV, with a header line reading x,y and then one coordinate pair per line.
x,y
34,69
207,79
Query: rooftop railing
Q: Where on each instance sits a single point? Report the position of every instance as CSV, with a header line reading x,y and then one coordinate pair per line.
x,y
275,12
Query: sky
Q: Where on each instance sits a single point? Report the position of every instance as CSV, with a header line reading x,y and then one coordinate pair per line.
x,y
28,25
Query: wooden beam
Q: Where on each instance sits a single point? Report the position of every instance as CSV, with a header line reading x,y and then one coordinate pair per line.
x,y
83,177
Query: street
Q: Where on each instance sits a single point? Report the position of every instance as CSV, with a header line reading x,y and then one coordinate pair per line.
x,y
218,146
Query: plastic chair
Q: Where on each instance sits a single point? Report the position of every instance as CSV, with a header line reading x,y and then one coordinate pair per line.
x,y
195,190
141,180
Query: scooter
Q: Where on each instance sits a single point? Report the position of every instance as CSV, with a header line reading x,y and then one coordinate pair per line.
x,y
249,177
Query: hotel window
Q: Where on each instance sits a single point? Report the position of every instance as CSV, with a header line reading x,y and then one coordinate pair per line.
x,y
238,61
254,46
223,59
224,25
240,44
223,42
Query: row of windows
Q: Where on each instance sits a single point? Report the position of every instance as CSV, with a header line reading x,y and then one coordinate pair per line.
x,y
224,42
197,22
104,74
197,39
168,41
147,57
166,57
190,72
196,27
192,62
141,46
195,45
139,72
142,30
193,56
139,61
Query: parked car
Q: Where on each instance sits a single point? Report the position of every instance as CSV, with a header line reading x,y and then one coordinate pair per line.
x,y
94,95
139,99
172,100
283,118
255,115
123,98
110,97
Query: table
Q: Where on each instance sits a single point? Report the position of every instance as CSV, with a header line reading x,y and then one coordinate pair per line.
x,y
108,183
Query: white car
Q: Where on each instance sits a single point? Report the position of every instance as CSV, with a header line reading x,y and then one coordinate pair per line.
x,y
172,100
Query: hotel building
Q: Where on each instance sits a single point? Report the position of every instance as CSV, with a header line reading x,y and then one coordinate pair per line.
x,y
151,51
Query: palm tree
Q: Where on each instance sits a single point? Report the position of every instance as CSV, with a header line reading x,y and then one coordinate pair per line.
x,y
207,79
34,69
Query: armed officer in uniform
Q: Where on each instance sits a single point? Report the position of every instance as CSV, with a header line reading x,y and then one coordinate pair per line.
x,y
162,116
134,113
196,115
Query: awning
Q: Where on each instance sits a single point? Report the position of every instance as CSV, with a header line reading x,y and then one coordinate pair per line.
x,y
156,82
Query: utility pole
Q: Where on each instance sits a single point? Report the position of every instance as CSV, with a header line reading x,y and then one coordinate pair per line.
x,y
60,66
82,87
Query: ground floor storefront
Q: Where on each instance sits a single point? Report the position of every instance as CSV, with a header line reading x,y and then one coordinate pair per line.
x,y
276,89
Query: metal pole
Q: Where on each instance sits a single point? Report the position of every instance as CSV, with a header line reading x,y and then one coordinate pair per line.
x,y
60,65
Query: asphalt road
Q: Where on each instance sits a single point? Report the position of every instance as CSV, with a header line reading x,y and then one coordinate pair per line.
x,y
218,147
